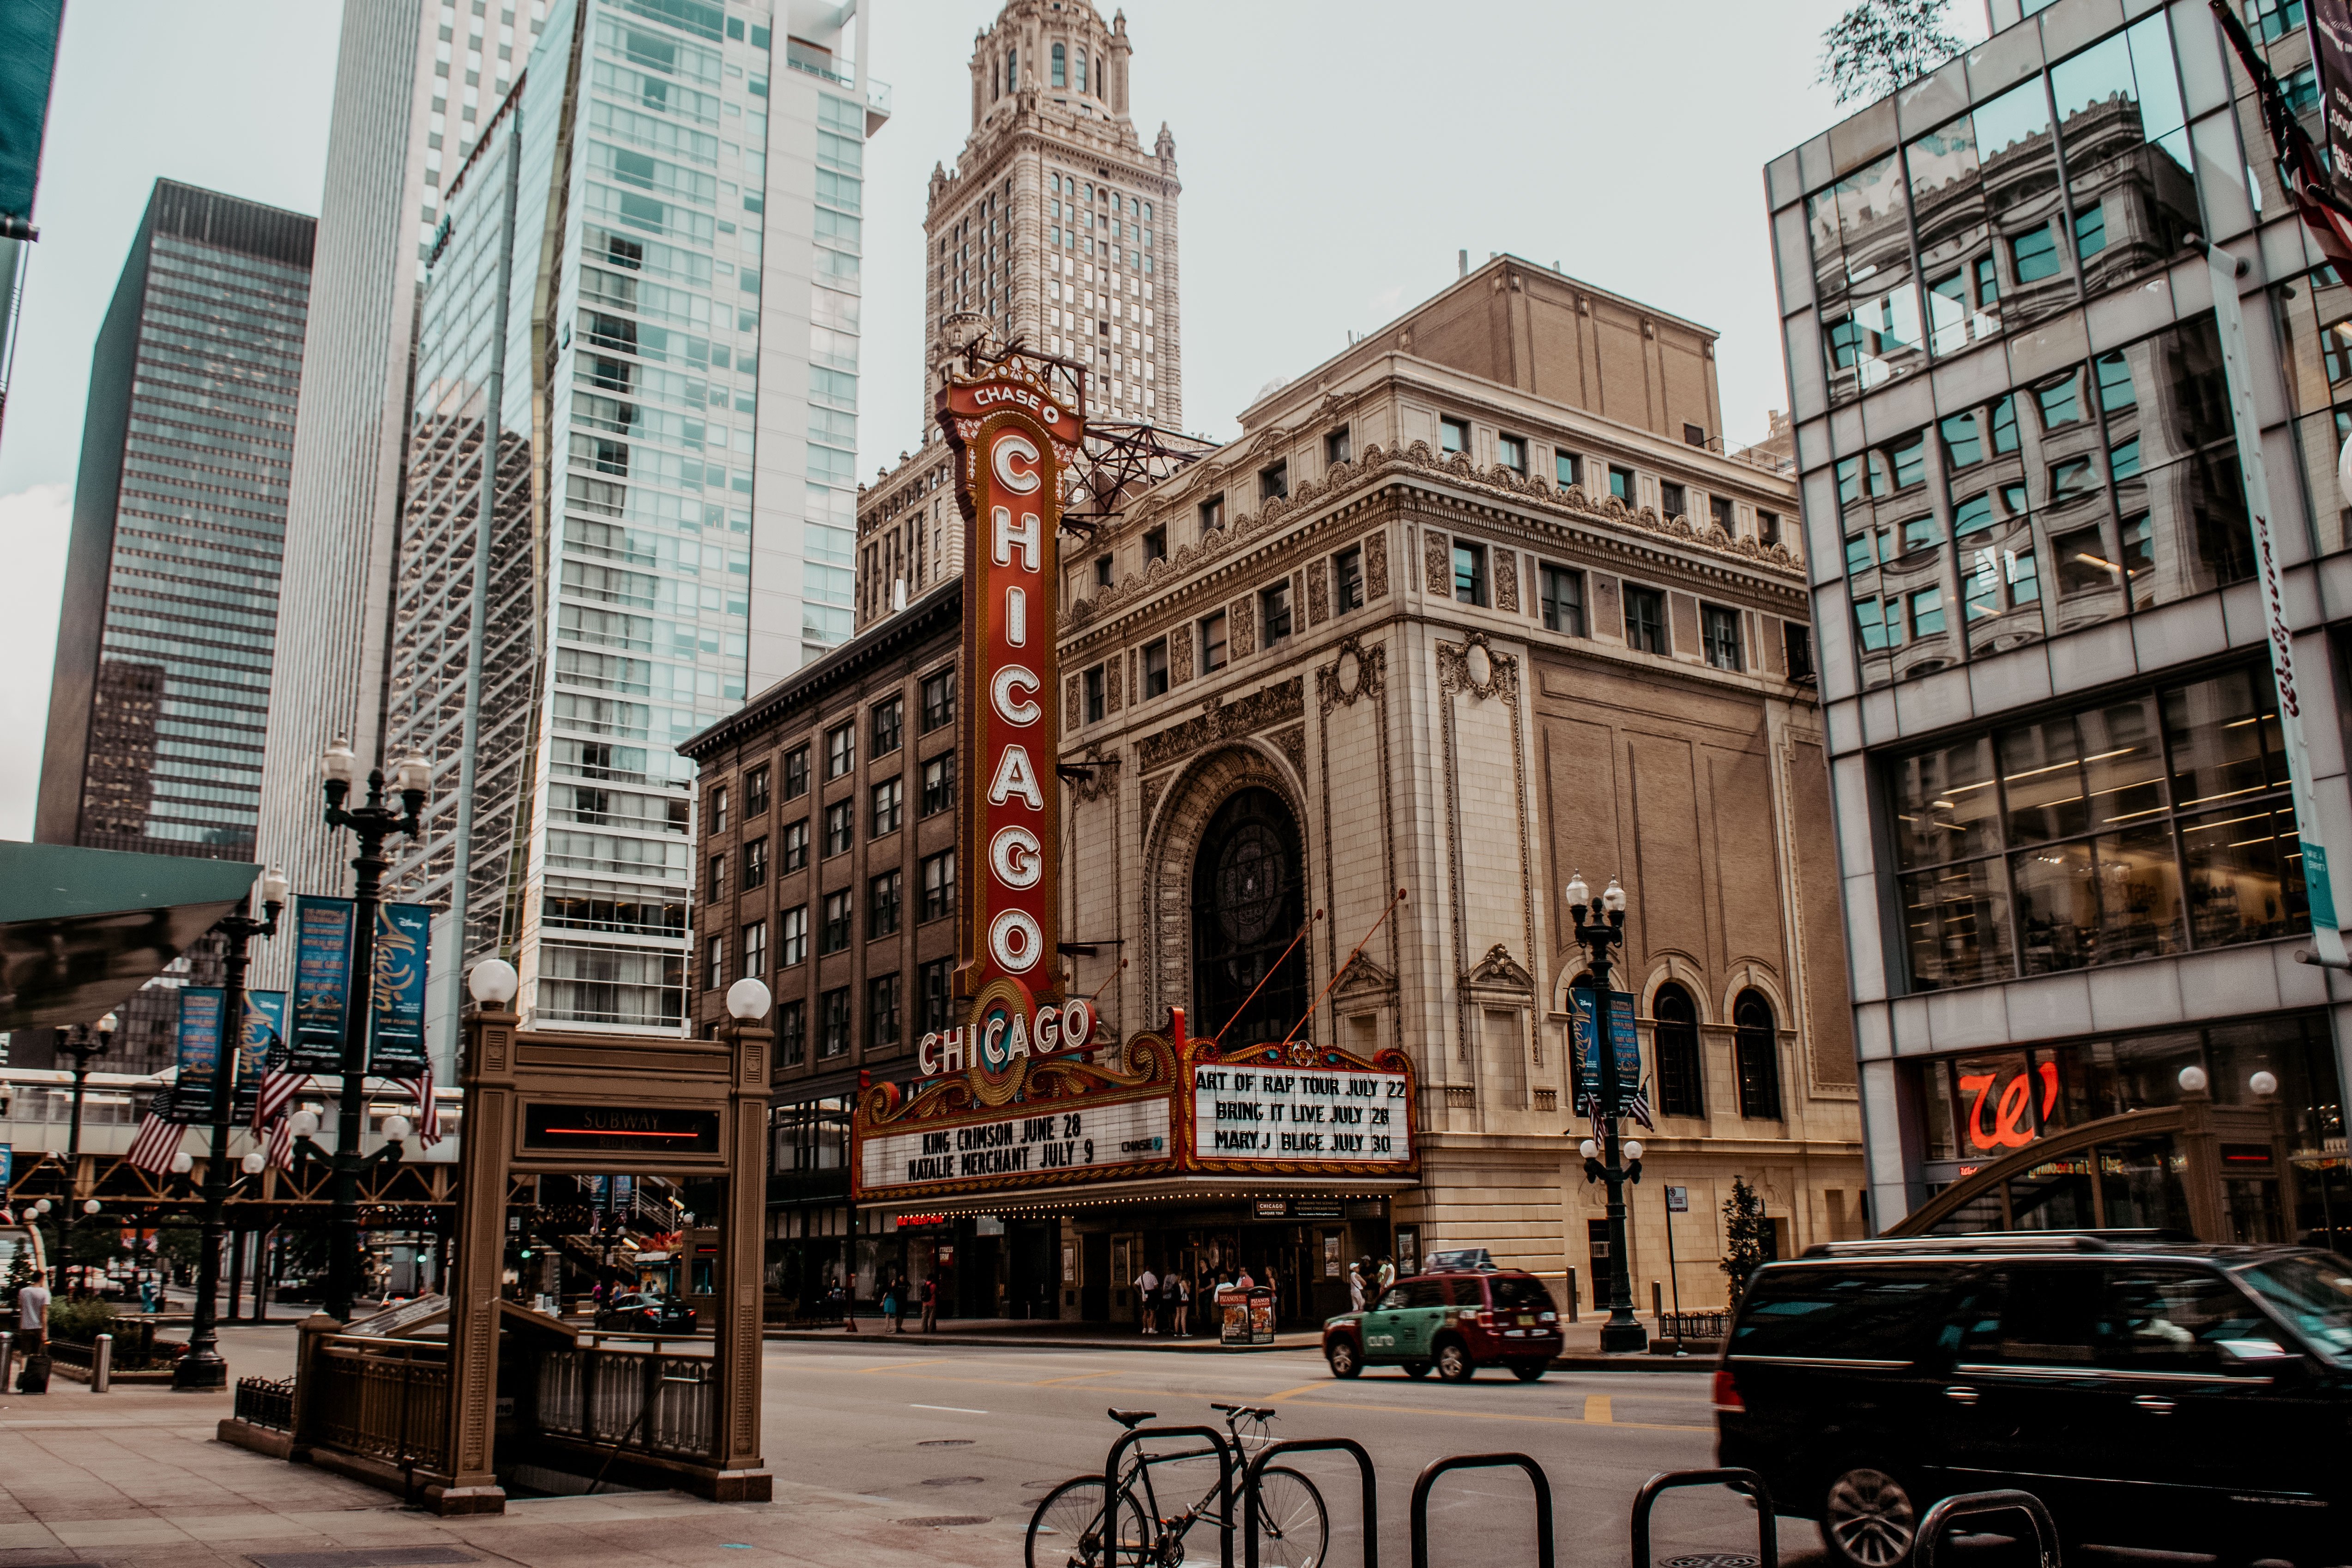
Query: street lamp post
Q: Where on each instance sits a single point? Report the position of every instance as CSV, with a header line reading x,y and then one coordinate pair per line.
x,y
201,1365
373,824
1606,1159
79,1044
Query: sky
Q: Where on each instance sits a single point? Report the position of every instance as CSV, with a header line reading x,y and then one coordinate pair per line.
x,y
1335,158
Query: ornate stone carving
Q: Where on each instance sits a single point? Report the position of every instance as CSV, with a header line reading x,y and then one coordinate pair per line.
x,y
1070,704
1180,655
1258,710
1498,968
1293,742
1152,789
1101,782
1437,563
1358,671
1507,581
1318,594
1241,629
1376,566
1474,667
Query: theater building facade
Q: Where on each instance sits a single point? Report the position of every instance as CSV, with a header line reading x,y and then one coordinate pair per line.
x,y
1476,605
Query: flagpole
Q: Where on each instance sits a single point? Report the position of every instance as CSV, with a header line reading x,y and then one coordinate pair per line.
x,y
1352,952
1272,970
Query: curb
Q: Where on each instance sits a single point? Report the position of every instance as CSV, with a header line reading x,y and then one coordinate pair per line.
x,y
1638,1361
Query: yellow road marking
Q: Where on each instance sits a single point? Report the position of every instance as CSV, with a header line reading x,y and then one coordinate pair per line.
x,y
1074,1377
1501,1415
1596,1411
1288,1393
894,1367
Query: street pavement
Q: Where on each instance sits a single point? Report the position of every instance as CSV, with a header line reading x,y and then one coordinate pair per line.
x,y
875,1443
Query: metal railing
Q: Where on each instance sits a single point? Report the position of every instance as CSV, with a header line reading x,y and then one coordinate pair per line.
x,y
640,1400
386,1401
266,1402
1694,1325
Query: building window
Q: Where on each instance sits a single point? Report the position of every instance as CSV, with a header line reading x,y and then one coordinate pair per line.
x,y
2155,822
795,846
792,1033
2034,255
792,936
840,827
714,964
1797,644
1694,435
755,864
1061,77
2091,226
1768,527
1334,447
1155,545
886,808
755,948
1213,514
1470,573
1681,1085
1213,642
1756,1057
1452,435
1646,619
937,1001
882,903
1274,482
796,771
1102,571
1274,614
719,810
1620,483
1567,468
939,699
1092,683
882,1012
832,935
889,720
1348,579
1672,500
939,783
840,749
833,1022
1720,507
1563,600
718,889
1719,631
755,792
1155,667
939,885
1511,451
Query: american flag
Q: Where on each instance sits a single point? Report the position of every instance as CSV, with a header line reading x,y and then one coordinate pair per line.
x,y
281,1150
428,1109
157,1142
280,1085
1637,1106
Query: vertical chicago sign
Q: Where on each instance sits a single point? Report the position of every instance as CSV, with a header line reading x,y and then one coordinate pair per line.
x,y
1013,439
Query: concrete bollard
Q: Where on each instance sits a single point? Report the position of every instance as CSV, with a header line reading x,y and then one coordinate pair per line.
x,y
101,1363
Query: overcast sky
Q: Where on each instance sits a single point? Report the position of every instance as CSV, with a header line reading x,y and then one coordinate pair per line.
x,y
1335,157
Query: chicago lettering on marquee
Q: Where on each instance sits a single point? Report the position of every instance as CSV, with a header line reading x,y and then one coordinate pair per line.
x,y
1013,440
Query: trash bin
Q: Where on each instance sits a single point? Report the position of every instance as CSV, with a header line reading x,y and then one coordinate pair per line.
x,y
1246,1315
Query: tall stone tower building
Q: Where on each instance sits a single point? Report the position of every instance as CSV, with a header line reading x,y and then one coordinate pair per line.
x,y
1057,227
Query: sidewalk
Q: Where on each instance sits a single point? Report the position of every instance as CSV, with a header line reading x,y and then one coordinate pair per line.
x,y
133,1478
1580,1350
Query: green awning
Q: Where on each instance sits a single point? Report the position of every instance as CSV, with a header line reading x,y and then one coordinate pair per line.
x,y
80,929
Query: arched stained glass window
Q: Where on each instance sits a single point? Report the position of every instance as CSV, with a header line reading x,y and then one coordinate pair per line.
x,y
1248,902
1682,1087
1756,1055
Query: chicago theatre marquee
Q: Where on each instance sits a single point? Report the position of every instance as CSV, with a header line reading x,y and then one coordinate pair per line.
x,y
1146,1145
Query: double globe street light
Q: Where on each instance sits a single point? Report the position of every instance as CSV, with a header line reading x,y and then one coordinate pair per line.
x,y
1600,926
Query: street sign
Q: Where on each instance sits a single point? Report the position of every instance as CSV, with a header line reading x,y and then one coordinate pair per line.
x,y
1678,1200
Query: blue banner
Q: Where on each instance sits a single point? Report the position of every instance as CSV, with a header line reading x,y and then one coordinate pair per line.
x,y
396,1008
264,1041
199,1051
1623,1038
7,1168
324,928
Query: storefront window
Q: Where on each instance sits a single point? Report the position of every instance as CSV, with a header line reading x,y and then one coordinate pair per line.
x,y
2150,825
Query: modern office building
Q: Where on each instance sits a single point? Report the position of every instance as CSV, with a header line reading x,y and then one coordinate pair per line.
x,y
2069,854
166,635
664,219
416,82
1057,227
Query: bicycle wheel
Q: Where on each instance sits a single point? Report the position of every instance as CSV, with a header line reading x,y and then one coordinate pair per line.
x,y
1068,1529
1293,1530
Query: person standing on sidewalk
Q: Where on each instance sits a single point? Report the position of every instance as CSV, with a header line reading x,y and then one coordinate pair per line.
x,y
1183,1293
929,1296
33,1329
1356,1285
1146,1299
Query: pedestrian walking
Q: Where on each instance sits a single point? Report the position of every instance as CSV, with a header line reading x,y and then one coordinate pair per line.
x,y
1242,1280
33,1336
890,1306
1356,1284
930,1299
1183,1307
846,1297
1385,1278
1146,1299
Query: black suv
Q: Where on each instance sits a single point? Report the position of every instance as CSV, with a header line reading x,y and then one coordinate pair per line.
x,y
2152,1392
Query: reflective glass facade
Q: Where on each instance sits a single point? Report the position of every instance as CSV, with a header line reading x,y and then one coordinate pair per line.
x,y
166,639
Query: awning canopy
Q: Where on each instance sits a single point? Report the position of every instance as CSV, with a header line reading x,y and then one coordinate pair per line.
x,y
80,929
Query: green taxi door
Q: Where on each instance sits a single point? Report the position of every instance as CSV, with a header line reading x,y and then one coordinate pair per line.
x,y
1424,1308
1382,1323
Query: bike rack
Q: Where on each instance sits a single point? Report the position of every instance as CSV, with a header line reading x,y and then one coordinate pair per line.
x,y
1225,1476
1347,1446
1420,1489
1768,1532
1968,1504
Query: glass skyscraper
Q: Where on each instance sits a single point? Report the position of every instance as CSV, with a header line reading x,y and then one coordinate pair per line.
x,y
166,634
664,217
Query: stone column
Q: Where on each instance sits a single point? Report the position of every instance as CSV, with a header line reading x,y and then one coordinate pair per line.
x,y
488,1133
742,1473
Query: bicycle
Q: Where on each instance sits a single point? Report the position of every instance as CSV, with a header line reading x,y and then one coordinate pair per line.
x,y
1073,1529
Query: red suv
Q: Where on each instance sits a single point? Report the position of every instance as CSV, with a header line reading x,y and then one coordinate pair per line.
x,y
1454,1322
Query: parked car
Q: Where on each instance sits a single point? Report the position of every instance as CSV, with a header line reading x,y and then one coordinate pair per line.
x,y
646,1313
1456,1322
2152,1391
